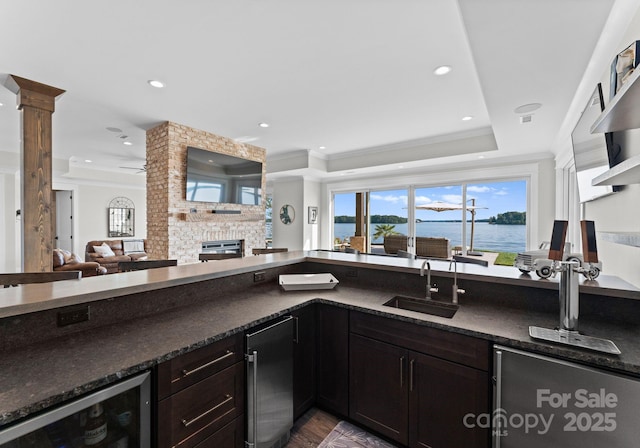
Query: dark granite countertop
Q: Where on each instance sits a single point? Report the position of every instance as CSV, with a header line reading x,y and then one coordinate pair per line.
x,y
41,375
45,296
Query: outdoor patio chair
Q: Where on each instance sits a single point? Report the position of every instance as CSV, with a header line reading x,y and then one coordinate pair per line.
x,y
433,247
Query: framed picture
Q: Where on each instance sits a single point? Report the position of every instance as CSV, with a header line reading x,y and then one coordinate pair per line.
x,y
313,215
623,66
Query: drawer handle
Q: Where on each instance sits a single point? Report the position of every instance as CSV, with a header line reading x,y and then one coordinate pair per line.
x,y
204,366
413,361
187,423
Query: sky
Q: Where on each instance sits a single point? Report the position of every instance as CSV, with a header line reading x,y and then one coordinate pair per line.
x,y
490,199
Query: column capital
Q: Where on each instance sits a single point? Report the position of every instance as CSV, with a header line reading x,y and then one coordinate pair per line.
x,y
33,94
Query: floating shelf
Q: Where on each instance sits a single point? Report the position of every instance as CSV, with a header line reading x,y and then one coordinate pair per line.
x,y
625,238
625,173
218,217
622,113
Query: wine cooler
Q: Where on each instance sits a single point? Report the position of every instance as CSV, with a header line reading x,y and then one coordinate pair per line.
x,y
115,417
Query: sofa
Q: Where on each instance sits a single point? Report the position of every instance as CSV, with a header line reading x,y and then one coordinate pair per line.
x,y
111,252
66,261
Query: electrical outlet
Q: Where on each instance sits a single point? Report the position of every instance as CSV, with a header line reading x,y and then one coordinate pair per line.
x,y
258,277
73,316
352,273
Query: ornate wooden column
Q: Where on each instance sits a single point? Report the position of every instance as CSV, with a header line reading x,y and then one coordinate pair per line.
x,y
37,103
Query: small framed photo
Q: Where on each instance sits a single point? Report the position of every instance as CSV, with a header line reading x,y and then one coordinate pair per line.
x,y
623,66
313,215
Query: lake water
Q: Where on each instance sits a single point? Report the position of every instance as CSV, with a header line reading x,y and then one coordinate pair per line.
x,y
496,237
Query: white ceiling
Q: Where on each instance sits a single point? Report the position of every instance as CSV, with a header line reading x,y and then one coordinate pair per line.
x,y
353,76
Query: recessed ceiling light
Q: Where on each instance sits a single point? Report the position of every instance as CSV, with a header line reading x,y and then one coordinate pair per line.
x,y
127,143
263,125
442,70
322,147
1,104
480,157
467,118
155,83
88,161
400,166
526,108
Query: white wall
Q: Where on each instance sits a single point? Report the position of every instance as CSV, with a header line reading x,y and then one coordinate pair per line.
x,y
8,236
311,232
290,192
90,215
616,213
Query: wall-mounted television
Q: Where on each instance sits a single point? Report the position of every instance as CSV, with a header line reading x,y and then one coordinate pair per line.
x,y
593,153
221,178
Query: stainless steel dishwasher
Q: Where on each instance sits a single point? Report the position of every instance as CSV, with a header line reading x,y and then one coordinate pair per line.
x,y
269,354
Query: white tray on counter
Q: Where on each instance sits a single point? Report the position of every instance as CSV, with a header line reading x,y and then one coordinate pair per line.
x,y
297,282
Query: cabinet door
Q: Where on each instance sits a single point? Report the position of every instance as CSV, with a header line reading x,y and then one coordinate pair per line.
x,y
378,387
441,394
332,349
304,360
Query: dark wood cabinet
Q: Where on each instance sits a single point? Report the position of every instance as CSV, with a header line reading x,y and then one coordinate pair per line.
x,y
201,397
413,397
332,350
378,387
304,360
441,393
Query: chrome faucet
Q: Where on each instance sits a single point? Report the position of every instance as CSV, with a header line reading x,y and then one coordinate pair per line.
x,y
429,288
455,289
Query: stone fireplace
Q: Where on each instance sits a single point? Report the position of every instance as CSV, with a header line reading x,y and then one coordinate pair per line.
x,y
177,228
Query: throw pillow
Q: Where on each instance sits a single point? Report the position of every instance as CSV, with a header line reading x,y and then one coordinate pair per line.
x,y
70,258
104,250
58,258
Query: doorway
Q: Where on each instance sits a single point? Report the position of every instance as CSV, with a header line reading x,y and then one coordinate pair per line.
x,y
62,220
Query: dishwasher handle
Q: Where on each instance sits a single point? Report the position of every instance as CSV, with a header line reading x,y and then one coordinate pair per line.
x,y
253,359
497,397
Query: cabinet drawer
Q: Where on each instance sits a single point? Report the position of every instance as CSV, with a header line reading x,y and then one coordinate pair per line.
x,y
188,369
455,347
230,436
191,415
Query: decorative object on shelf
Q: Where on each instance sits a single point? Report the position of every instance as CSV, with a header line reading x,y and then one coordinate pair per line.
x,y
623,66
287,214
121,217
313,215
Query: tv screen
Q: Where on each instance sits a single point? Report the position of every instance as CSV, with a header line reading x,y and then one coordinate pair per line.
x,y
221,178
590,151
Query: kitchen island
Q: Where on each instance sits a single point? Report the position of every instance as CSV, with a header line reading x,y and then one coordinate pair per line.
x,y
140,319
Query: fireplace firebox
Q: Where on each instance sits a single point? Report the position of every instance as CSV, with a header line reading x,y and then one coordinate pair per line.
x,y
222,249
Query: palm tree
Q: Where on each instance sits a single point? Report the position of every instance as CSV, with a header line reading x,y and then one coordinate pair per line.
x,y
382,230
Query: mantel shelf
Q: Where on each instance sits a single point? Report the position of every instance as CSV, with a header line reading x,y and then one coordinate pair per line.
x,y
625,173
622,112
625,238
217,217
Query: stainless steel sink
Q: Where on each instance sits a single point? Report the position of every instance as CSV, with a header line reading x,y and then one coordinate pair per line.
x,y
423,306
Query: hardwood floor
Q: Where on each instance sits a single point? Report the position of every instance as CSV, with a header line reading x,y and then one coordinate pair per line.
x,y
311,429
